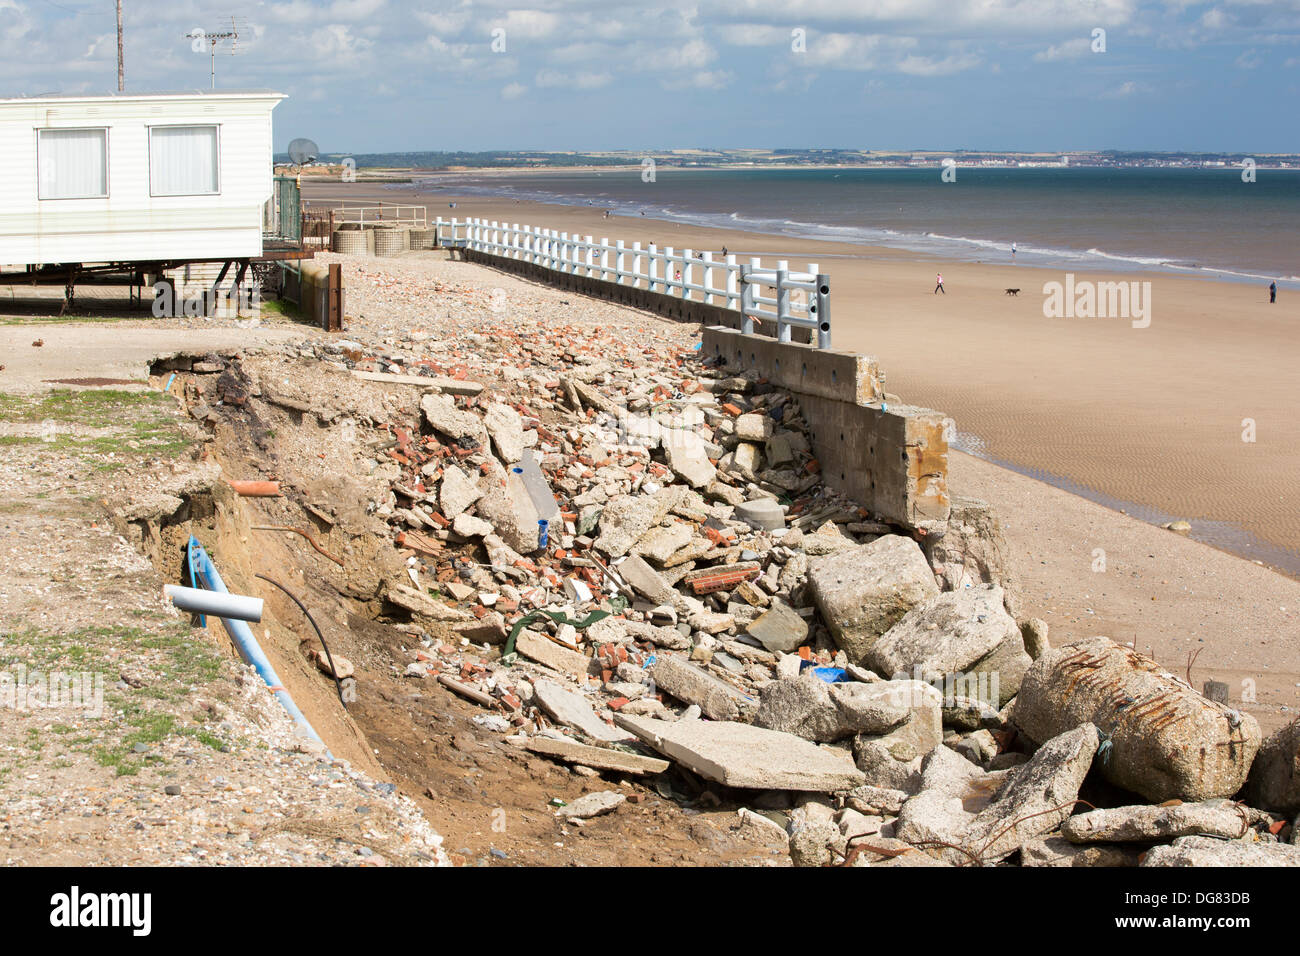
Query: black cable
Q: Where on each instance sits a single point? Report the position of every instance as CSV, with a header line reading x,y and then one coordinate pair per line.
x,y
330,657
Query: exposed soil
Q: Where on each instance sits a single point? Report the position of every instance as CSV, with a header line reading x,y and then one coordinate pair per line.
x,y
489,799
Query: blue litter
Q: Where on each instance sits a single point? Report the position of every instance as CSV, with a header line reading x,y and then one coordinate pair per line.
x,y
831,675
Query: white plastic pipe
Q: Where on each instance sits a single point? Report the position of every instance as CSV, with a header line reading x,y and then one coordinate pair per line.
x,y
237,607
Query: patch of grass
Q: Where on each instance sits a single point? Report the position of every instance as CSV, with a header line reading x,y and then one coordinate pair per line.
x,y
99,407
282,307
205,737
52,318
116,759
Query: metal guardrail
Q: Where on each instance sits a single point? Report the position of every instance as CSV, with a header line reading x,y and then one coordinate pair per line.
x,y
776,294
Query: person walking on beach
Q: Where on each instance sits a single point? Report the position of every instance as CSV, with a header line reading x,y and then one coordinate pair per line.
x,y
1013,251
1272,292
938,284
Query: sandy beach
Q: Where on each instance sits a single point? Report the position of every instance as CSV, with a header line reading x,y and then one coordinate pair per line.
x,y
1146,420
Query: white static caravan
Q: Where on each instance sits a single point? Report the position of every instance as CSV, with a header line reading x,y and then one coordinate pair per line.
x,y
148,178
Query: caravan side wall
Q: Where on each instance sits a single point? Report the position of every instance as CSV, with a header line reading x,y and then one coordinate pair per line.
x,y
130,225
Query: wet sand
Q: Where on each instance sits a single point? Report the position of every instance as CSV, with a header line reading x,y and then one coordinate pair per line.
x,y
1148,420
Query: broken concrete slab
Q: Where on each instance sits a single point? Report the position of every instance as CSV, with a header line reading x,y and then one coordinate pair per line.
x,y
740,755
864,590
687,456
538,648
754,427
939,812
880,801
659,544
645,580
468,526
1060,852
442,415
1209,852
451,386
506,428
1167,740
973,551
510,509
625,519
717,699
417,602
591,805
1040,796
572,710
779,628
747,460
964,638
1213,818
762,514
456,493
809,707
827,539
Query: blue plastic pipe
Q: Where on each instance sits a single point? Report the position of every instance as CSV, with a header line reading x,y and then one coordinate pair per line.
x,y
205,575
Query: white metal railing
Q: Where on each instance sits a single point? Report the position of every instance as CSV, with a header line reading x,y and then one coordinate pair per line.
x,y
760,293
384,213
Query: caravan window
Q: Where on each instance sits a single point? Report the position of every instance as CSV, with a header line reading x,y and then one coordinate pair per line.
x,y
183,161
72,163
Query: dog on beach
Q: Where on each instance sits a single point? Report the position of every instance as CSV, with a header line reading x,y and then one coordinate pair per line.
x,y
1013,292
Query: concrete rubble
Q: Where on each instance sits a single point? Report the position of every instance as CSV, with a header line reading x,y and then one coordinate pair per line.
x,y
630,555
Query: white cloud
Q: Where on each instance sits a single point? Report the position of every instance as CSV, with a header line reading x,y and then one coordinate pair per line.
x,y
1070,49
1249,59
512,91
926,66
577,81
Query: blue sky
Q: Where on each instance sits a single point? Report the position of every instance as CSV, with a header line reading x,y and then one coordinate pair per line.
x,y
381,75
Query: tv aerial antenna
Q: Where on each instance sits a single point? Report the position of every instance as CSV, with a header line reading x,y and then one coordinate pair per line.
x,y
204,40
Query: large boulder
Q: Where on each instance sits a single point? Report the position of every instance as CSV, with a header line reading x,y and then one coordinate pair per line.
x,y
964,640
973,551
1161,738
862,591
1274,782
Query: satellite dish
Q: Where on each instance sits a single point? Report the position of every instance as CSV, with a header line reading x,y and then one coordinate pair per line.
x,y
303,151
